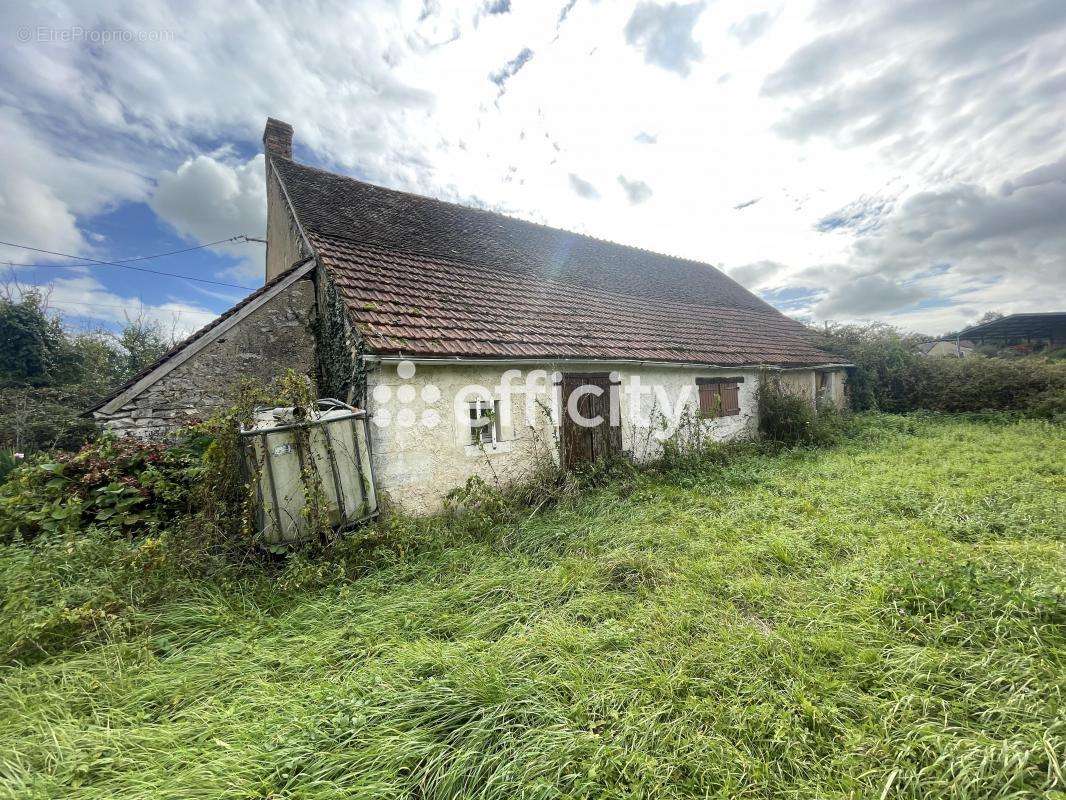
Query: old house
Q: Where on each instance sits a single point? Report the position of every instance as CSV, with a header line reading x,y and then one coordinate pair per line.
x,y
478,342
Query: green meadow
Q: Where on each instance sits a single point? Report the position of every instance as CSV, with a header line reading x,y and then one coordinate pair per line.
x,y
884,618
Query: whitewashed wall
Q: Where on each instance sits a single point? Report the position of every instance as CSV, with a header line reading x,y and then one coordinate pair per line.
x,y
804,382
417,463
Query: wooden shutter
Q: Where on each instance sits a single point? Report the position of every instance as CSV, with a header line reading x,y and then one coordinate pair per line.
x,y
730,393
582,445
709,400
719,397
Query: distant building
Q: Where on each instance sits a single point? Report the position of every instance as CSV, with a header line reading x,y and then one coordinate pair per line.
x,y
1022,330
951,348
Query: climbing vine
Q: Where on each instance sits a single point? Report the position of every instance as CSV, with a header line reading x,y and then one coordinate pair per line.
x,y
228,491
336,357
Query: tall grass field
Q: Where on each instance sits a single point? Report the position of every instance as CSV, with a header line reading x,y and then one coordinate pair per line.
x,y
885,618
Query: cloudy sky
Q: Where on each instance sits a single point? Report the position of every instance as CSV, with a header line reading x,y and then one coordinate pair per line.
x,y
901,160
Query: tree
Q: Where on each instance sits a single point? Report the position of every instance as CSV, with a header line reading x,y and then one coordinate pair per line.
x,y
35,350
988,316
50,375
143,341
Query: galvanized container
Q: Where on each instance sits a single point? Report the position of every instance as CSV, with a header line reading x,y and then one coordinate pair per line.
x,y
315,468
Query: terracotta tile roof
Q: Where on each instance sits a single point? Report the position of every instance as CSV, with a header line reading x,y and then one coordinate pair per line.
x,y
413,304
422,277
199,334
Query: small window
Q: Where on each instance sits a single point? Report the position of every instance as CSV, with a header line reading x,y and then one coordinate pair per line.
x,y
484,422
825,385
719,397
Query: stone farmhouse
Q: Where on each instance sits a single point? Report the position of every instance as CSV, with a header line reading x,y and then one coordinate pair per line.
x,y
475,340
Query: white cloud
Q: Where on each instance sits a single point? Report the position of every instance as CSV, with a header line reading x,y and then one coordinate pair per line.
x,y
912,141
751,27
664,34
43,192
636,191
83,297
867,297
757,274
208,199
582,188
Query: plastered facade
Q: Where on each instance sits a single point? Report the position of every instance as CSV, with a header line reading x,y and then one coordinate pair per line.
x,y
285,243
422,443
804,382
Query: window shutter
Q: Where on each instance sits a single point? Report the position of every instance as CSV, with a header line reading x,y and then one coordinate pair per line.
x,y
708,400
730,399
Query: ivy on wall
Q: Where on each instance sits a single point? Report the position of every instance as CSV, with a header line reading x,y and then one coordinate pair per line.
x,y
338,345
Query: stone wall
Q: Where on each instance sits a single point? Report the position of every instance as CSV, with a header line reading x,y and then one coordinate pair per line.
x,y
275,337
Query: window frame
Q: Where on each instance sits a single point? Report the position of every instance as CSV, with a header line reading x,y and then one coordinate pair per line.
x,y
478,407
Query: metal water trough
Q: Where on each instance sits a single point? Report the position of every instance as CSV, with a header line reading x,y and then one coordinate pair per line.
x,y
282,451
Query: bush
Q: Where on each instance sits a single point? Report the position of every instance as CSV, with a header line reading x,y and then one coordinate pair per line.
x,y
49,375
890,375
975,384
8,461
124,485
45,417
792,419
691,447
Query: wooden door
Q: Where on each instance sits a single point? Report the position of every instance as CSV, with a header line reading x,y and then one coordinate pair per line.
x,y
581,443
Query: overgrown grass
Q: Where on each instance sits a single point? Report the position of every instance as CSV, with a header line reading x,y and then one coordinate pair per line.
x,y
883,619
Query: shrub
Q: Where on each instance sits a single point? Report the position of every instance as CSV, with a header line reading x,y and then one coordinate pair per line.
x,y
976,384
49,375
124,485
479,506
1049,404
890,375
691,446
8,461
791,419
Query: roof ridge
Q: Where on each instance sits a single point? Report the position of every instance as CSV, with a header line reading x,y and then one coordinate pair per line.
x,y
383,244
508,217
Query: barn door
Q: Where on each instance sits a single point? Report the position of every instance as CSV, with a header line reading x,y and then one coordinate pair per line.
x,y
583,444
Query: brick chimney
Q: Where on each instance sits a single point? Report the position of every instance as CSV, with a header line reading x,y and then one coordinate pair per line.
x,y
277,138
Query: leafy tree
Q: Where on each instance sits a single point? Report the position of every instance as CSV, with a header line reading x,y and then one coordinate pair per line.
x,y
143,342
880,354
988,316
49,376
35,349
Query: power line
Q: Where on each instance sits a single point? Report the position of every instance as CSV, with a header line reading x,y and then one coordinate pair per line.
x,y
94,262
238,238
